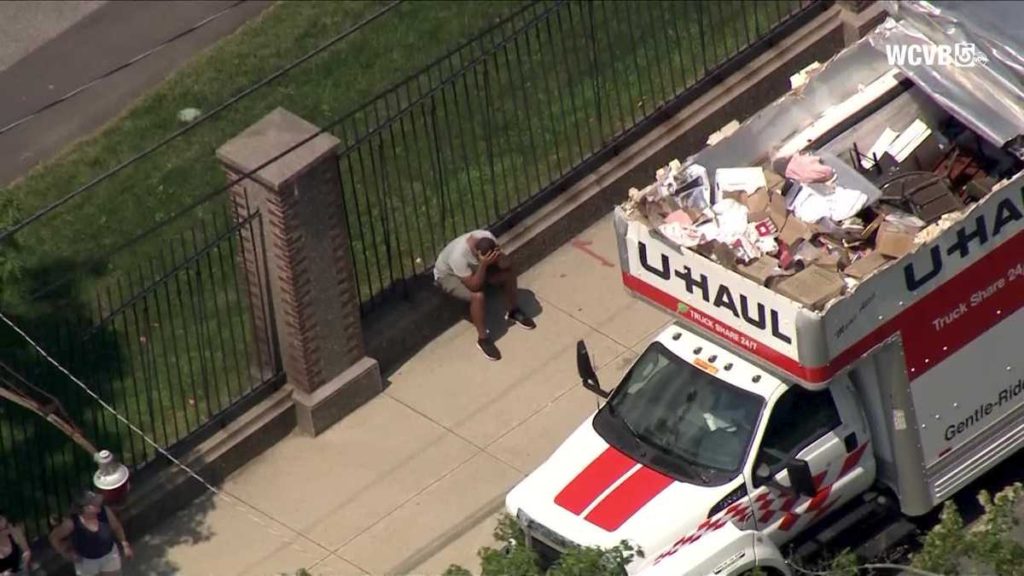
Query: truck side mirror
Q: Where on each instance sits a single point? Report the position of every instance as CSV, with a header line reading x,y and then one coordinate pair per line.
x,y
586,370
800,478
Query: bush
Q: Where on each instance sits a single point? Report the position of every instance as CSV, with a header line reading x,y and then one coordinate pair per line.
x,y
950,547
514,558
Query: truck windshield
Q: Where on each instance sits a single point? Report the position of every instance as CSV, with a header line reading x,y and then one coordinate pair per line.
x,y
688,416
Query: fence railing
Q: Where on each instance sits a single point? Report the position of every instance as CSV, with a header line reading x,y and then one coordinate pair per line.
x,y
171,346
479,138
501,124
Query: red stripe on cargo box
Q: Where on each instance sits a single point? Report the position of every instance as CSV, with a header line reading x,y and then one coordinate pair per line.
x,y
924,345
628,498
964,307
594,480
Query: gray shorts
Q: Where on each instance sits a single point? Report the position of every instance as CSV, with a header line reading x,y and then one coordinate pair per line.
x,y
453,286
92,567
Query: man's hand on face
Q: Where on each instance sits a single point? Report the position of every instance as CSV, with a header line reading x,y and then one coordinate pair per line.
x,y
490,258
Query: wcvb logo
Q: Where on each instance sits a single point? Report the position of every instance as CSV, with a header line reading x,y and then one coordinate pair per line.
x,y
961,54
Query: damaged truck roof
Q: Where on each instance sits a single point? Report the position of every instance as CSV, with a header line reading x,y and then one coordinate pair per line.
x,y
860,206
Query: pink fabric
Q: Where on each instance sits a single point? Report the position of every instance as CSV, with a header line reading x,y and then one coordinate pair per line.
x,y
808,169
679,217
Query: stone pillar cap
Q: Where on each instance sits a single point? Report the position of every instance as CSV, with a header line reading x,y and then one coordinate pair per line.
x,y
272,135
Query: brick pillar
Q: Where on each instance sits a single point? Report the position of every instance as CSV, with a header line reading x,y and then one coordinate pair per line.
x,y
311,278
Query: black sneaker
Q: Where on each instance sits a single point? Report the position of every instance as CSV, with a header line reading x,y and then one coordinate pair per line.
x,y
486,345
521,318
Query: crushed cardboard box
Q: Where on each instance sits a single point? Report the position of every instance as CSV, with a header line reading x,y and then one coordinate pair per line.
x,y
813,287
809,261
865,265
795,230
760,270
896,240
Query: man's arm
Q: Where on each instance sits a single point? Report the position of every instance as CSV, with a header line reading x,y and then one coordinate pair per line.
x,y
118,529
59,539
477,280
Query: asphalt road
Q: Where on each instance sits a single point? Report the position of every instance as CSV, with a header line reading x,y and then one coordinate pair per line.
x,y
50,62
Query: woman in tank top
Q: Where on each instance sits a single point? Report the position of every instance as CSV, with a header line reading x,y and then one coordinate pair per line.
x,y
89,538
14,551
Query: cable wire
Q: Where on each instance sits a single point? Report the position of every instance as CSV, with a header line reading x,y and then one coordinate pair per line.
x,y
224,494
119,68
198,121
359,139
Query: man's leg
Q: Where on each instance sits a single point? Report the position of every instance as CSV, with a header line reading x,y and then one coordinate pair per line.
x,y
477,313
505,277
506,280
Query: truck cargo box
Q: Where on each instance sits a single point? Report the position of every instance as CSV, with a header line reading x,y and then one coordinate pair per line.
x,y
934,256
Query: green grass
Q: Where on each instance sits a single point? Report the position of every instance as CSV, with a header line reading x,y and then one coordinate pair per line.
x,y
464,153
321,89
477,135
184,352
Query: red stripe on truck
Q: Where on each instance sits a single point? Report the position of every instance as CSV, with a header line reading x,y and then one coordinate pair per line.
x,y
964,307
976,299
594,480
628,498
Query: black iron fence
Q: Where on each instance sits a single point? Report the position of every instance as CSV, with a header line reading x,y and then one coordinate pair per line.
x,y
479,138
175,346
501,124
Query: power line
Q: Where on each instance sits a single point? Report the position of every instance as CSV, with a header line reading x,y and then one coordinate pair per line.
x,y
407,109
177,134
117,69
226,495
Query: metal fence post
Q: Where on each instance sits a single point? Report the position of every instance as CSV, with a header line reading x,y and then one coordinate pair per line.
x,y
312,288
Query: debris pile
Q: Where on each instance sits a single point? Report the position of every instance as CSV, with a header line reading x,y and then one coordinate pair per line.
x,y
798,226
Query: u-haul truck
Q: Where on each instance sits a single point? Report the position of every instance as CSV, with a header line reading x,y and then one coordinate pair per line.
x,y
752,418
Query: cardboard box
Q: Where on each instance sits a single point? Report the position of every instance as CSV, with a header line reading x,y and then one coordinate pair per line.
x,y
895,240
830,260
737,195
773,179
812,287
865,265
758,201
760,270
767,206
793,230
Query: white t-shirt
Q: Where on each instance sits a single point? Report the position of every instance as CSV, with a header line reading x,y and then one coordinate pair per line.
x,y
457,258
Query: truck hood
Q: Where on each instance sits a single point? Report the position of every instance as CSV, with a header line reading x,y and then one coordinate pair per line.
x,y
591,494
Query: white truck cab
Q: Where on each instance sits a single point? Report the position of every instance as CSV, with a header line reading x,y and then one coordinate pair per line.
x,y
756,415
694,437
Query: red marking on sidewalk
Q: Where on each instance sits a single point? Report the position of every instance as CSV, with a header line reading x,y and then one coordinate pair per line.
x,y
584,246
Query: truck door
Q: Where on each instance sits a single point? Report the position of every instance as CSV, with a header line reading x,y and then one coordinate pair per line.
x,y
807,425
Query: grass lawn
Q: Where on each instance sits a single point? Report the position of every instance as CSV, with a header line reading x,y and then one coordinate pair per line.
x,y
449,150
332,83
182,352
483,131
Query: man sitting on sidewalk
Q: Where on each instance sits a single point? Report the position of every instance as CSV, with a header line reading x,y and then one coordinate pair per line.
x,y
465,268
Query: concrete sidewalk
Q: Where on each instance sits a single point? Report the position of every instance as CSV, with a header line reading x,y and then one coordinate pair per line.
x,y
412,481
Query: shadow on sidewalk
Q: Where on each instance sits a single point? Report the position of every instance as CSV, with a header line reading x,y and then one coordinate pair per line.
x,y
496,309
185,528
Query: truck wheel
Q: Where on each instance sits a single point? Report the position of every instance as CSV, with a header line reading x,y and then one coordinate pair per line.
x,y
762,572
